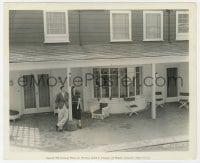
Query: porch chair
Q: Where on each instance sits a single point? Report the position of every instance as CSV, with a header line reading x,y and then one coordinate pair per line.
x,y
159,99
131,105
100,111
184,100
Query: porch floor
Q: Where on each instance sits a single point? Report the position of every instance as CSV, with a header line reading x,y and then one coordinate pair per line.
x,y
36,132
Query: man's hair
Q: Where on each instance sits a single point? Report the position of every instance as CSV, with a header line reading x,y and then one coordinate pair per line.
x,y
61,87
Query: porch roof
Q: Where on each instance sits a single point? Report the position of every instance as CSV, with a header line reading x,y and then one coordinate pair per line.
x,y
19,53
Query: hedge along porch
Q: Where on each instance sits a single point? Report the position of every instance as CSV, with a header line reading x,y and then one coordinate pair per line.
x,y
72,61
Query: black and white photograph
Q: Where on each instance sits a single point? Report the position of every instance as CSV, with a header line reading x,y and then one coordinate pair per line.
x,y
113,79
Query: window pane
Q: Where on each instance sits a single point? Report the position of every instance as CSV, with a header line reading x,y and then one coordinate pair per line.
x,y
96,73
153,26
105,82
104,71
123,82
183,23
120,22
114,82
56,22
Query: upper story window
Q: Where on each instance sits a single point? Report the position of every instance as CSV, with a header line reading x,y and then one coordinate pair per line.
x,y
120,26
56,26
182,25
152,25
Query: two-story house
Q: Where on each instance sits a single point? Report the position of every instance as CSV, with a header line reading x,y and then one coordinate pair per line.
x,y
90,47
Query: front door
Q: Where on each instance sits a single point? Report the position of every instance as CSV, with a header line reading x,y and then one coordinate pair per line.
x,y
36,93
172,84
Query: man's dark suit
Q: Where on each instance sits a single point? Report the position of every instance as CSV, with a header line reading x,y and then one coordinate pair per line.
x,y
60,100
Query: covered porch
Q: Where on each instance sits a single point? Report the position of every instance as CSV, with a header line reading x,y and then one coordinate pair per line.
x,y
36,132
69,61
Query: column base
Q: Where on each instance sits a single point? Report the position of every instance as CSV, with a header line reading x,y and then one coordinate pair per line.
x,y
71,125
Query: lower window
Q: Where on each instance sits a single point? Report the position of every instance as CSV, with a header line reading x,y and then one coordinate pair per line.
x,y
117,82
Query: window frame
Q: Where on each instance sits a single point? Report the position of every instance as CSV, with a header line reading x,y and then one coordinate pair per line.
x,y
56,38
111,26
181,36
144,25
119,82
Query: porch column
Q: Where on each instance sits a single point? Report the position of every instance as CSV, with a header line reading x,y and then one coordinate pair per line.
x,y
69,92
153,102
71,124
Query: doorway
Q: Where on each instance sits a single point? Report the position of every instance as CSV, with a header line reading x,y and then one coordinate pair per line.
x,y
36,93
172,84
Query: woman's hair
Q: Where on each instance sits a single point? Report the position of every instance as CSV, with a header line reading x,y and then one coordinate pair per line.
x,y
72,89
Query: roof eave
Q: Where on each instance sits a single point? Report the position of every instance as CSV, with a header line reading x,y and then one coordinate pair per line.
x,y
96,62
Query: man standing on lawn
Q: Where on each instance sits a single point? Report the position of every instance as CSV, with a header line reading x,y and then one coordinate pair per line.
x,y
63,108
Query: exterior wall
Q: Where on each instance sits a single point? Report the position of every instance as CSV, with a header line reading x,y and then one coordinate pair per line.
x,y
26,26
87,90
165,25
73,18
184,73
173,25
15,92
116,104
94,27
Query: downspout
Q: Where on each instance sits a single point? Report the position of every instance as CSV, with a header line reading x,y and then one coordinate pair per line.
x,y
79,30
169,27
